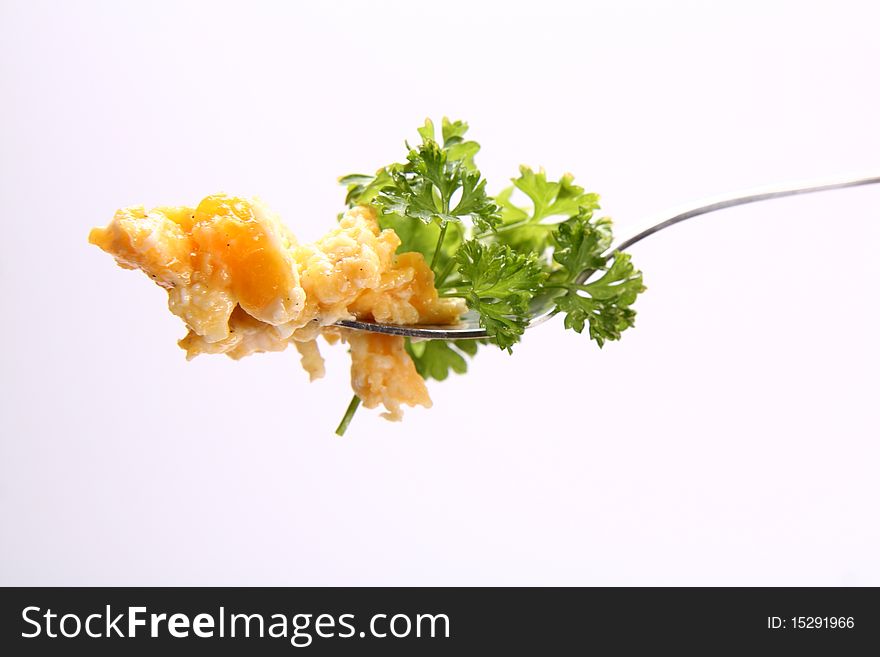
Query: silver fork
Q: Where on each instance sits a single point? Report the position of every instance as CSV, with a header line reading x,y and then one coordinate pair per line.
x,y
468,328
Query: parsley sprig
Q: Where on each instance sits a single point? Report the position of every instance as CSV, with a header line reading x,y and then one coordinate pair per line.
x,y
500,256
498,283
437,185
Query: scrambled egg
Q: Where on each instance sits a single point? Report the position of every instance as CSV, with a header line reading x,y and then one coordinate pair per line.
x,y
242,284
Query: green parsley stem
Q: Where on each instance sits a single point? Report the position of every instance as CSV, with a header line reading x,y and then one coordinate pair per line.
x,y
439,244
445,273
349,413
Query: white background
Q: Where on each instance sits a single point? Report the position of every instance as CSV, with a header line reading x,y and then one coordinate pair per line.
x,y
731,438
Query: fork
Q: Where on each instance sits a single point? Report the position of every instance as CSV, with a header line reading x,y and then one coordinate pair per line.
x,y
468,327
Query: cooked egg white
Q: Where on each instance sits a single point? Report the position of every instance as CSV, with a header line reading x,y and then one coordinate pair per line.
x,y
242,284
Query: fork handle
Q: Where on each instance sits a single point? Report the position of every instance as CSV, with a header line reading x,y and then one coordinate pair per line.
x,y
752,196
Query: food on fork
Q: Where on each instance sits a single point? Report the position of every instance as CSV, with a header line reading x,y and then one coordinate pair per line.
x,y
420,243
242,284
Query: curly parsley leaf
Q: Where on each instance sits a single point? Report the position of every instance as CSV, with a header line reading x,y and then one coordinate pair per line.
x,y
526,228
434,186
580,243
434,359
604,304
607,305
362,189
455,144
453,140
498,283
426,132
